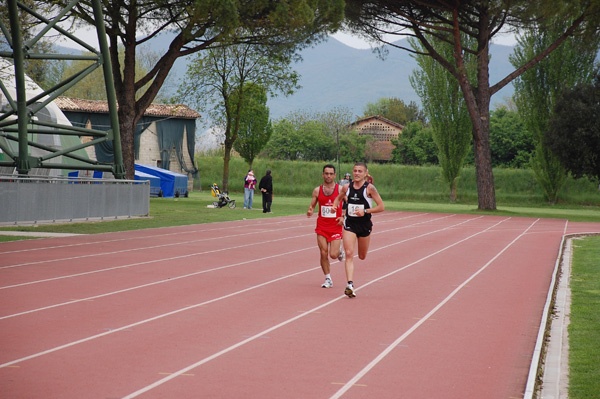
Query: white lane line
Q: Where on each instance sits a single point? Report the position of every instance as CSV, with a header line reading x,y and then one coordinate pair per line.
x,y
397,342
141,263
203,239
170,279
214,237
163,281
205,229
161,316
212,301
284,323
149,262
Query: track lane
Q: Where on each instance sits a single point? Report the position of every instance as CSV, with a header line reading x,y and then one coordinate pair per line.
x,y
307,333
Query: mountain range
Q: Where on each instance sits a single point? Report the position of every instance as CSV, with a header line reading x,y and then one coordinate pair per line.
x,y
334,75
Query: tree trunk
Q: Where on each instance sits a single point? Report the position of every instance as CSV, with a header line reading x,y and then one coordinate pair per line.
x,y
477,99
486,194
226,159
453,190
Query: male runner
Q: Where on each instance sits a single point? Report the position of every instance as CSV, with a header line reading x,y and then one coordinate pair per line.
x,y
360,195
329,222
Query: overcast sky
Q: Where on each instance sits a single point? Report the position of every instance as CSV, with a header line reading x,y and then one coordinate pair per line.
x,y
353,41
89,36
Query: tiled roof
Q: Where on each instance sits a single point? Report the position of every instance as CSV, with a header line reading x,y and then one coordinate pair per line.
x,y
378,117
101,107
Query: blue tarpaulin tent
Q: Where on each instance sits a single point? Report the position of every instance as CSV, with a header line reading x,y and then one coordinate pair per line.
x,y
172,184
154,182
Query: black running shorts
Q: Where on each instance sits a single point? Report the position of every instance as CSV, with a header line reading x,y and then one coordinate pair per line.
x,y
362,229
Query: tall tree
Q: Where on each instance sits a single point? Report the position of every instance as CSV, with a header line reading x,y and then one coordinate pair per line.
x,y
196,26
574,130
255,127
537,90
444,104
481,20
216,81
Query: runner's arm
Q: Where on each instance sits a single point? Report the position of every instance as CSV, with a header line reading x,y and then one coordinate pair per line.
x,y
373,193
313,202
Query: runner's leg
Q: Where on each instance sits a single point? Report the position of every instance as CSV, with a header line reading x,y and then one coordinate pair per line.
x,y
334,248
349,243
322,243
363,246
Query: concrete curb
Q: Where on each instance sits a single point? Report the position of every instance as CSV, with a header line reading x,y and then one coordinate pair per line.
x,y
36,234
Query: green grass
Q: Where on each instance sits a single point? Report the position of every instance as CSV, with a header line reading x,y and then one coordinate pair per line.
x,y
514,187
584,328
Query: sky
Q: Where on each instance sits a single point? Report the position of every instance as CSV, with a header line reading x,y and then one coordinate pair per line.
x,y
89,36
356,42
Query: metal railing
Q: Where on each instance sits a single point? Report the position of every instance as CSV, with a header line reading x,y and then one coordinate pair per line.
x,y
31,199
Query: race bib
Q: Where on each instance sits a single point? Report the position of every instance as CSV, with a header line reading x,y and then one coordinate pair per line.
x,y
327,212
352,208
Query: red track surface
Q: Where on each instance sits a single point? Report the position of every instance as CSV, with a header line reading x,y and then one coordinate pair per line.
x,y
447,306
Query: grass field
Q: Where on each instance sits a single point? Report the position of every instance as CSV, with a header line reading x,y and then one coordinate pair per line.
x,y
514,187
584,329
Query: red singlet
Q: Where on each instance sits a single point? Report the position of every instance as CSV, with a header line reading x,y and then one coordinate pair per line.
x,y
326,221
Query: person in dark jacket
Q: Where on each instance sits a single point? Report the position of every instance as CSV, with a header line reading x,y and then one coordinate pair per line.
x,y
266,187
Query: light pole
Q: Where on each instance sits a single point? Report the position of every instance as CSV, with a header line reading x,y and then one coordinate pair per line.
x,y
337,133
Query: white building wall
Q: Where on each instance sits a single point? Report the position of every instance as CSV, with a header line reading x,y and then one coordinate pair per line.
x,y
149,153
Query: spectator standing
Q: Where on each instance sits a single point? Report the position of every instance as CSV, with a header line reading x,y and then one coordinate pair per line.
x,y
266,187
249,186
345,180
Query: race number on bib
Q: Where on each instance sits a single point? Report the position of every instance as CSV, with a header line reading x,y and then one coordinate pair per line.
x,y
352,208
327,212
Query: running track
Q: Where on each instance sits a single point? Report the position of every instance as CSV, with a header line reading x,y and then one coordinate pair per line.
x,y
448,306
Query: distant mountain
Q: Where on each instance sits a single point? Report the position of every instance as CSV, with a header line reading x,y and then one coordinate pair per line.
x,y
336,75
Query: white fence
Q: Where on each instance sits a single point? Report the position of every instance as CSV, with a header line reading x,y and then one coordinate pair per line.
x,y
57,199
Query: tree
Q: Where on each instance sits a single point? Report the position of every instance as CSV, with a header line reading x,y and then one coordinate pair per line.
x,y
353,147
309,141
442,101
537,90
481,20
395,110
93,87
216,81
337,124
197,26
415,146
573,134
510,144
254,127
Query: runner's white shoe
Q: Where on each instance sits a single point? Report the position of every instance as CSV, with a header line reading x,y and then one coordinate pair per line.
x,y
350,291
328,283
342,255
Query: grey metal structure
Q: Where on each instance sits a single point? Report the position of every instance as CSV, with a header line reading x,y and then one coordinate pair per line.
x,y
19,119
70,199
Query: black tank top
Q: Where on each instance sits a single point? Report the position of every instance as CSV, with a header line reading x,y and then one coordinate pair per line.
x,y
358,198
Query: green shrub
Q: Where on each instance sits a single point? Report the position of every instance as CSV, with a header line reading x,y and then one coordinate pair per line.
x,y
397,182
